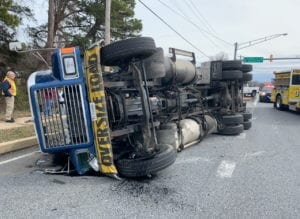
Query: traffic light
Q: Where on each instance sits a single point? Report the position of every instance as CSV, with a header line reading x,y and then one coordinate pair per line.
x,y
271,58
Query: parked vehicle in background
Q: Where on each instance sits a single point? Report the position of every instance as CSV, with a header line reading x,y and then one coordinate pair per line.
x,y
250,91
286,92
265,93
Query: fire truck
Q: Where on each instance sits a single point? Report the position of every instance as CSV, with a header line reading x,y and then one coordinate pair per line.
x,y
132,119
286,91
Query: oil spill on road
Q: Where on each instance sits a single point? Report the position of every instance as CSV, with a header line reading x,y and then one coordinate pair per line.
x,y
153,193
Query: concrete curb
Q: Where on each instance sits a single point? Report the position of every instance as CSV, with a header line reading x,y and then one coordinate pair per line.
x,y
10,146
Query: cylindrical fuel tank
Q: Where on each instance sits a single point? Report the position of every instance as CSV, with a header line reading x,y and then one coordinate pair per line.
x,y
211,123
168,134
154,65
191,131
180,72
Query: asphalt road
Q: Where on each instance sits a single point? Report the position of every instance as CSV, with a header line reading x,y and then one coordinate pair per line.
x,y
255,174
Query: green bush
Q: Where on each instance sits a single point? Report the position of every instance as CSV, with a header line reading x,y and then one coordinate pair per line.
x,y
21,102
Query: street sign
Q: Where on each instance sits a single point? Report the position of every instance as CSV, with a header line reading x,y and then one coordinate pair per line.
x,y
253,59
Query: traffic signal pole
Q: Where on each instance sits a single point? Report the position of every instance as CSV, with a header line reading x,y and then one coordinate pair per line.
x,y
238,46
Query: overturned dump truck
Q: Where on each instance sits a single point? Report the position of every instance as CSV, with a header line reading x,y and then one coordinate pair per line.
x,y
133,119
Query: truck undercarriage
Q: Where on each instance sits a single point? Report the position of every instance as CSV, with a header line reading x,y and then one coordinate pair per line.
x,y
133,119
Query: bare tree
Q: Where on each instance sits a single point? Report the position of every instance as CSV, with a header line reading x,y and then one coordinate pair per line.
x,y
219,56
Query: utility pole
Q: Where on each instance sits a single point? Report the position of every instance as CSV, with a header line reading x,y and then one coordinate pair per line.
x,y
235,50
107,22
238,46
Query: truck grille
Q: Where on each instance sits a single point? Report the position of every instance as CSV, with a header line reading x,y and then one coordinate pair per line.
x,y
62,116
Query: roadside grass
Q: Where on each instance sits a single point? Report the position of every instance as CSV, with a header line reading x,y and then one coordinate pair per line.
x,y
16,133
21,110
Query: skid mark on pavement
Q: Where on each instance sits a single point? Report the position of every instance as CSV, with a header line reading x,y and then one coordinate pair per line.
x,y
225,169
17,158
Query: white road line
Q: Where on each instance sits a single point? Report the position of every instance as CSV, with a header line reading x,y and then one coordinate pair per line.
x,y
253,155
225,169
17,158
241,136
255,102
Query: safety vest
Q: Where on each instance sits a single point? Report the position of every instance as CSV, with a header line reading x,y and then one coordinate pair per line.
x,y
13,89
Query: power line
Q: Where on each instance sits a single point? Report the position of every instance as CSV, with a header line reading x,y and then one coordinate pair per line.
x,y
196,15
197,26
173,28
187,19
195,7
182,13
179,9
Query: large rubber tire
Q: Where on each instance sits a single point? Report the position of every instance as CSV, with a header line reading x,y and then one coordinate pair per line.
x,y
121,52
261,100
247,77
232,75
246,68
247,116
278,103
232,119
138,167
232,130
247,125
253,93
231,65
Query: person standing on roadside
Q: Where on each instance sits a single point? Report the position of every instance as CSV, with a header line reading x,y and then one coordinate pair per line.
x,y
9,90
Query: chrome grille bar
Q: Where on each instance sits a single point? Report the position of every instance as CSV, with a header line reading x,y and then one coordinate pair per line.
x,y
62,116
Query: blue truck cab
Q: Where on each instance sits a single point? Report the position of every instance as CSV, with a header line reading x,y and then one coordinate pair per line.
x,y
60,108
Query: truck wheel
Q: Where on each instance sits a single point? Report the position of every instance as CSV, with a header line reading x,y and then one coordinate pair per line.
x,y
278,104
247,77
123,51
253,93
232,130
232,119
143,166
232,75
247,116
246,68
247,125
231,65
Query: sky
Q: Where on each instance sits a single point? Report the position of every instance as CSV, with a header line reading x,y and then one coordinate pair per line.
x,y
229,20
213,26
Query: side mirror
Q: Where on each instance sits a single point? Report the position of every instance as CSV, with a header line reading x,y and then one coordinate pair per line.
x,y
15,46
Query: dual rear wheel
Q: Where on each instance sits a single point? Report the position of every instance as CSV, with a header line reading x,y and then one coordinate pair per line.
x,y
235,124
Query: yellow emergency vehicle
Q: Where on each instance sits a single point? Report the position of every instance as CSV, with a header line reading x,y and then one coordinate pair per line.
x,y
286,92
